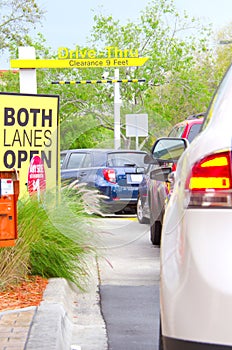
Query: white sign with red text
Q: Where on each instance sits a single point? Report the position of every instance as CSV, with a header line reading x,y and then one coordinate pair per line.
x,y
36,176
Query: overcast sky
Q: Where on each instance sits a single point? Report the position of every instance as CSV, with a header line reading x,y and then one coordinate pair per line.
x,y
68,22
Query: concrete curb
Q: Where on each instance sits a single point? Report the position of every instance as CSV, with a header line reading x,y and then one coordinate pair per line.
x,y
51,327
69,319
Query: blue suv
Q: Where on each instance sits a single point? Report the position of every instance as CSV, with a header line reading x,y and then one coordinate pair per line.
x,y
114,173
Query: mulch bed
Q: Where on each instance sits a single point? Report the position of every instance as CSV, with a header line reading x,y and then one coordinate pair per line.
x,y
28,293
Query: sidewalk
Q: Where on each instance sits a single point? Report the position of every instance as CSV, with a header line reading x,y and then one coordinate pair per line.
x,y
14,328
67,319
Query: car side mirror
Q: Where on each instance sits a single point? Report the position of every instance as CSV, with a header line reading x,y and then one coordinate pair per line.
x,y
149,159
169,149
161,174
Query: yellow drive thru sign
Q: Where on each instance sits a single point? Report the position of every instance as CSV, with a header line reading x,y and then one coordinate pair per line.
x,y
79,63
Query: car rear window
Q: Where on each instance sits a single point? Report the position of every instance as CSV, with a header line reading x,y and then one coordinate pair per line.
x,y
126,159
194,131
177,131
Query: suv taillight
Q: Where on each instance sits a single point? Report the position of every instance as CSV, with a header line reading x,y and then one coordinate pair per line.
x,y
109,175
210,184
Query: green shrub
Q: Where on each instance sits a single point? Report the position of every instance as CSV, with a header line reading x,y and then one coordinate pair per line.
x,y
55,238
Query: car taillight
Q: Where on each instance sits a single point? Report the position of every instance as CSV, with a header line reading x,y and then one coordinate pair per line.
x,y
174,167
210,183
109,175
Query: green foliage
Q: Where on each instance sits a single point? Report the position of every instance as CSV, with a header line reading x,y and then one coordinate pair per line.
x,y
55,255
14,261
84,132
223,44
54,240
16,20
174,44
9,81
188,92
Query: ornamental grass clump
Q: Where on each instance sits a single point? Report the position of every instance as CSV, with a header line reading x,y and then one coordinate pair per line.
x,y
55,237
14,261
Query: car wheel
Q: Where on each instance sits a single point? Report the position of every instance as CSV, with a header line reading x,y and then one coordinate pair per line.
x,y
155,231
140,216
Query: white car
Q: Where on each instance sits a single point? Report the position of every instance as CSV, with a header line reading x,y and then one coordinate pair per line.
x,y
196,243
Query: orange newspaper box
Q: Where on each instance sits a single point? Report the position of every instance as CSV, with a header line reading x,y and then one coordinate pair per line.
x,y
9,193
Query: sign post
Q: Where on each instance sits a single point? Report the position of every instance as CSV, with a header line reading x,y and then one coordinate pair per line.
x,y
27,77
117,106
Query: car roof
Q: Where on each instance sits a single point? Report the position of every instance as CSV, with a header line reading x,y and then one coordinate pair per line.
x,y
192,119
196,116
93,150
190,122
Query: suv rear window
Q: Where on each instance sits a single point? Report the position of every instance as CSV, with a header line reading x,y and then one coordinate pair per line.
x,y
126,159
194,131
177,131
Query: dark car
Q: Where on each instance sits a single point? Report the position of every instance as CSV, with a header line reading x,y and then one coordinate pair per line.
x,y
153,195
116,174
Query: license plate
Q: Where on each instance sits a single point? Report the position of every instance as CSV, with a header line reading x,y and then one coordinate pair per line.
x,y
134,178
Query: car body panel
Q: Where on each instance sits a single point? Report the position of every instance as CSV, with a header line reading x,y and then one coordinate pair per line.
x,y
196,259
